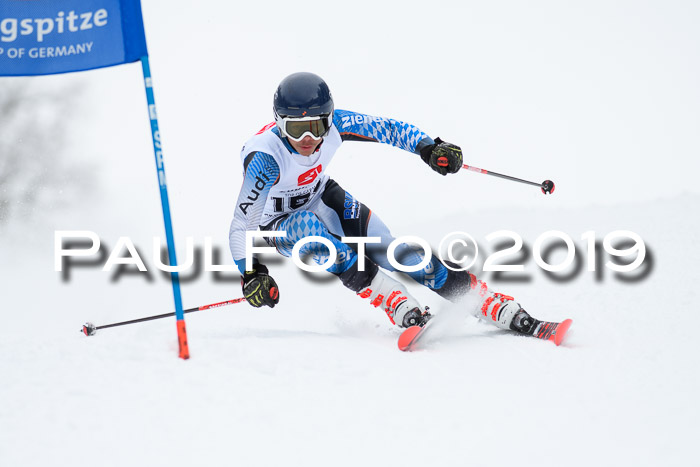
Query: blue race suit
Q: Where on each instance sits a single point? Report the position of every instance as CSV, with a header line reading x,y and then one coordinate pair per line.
x,y
283,190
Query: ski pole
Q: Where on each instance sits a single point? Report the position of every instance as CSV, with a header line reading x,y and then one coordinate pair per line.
x,y
547,186
90,329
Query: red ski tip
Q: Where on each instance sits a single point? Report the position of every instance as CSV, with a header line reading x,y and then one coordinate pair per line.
x,y
408,337
561,331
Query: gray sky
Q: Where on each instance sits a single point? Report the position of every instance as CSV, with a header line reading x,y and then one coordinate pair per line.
x,y
601,97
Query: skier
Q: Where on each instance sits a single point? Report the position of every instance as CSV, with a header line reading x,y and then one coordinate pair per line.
x,y
285,188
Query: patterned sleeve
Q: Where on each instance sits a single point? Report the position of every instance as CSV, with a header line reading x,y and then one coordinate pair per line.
x,y
355,126
261,173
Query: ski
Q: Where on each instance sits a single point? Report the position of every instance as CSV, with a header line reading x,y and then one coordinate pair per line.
x,y
410,336
554,332
545,330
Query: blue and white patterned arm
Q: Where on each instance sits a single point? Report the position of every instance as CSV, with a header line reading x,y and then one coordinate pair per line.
x,y
261,172
355,126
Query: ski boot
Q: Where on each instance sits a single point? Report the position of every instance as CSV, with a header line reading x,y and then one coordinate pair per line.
x,y
523,323
506,313
502,310
415,317
392,296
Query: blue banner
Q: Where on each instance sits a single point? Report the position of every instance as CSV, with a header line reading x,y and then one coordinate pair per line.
x,y
41,37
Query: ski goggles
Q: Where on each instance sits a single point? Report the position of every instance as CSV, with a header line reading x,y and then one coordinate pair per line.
x,y
297,128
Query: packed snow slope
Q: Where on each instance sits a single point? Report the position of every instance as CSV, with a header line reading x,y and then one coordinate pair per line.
x,y
600,97
319,379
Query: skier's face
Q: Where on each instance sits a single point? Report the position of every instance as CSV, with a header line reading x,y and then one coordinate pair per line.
x,y
306,146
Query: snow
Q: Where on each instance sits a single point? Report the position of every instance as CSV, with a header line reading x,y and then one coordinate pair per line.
x,y
600,100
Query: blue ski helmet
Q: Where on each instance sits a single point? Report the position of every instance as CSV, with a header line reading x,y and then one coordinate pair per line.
x,y
303,95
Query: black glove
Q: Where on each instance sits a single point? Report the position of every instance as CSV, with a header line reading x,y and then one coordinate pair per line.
x,y
259,288
442,157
